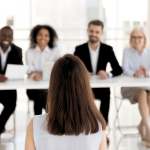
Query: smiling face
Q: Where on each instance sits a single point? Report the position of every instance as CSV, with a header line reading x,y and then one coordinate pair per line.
x,y
138,40
43,37
6,37
94,33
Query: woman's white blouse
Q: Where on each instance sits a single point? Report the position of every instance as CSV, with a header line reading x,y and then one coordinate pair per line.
x,y
132,61
35,58
43,140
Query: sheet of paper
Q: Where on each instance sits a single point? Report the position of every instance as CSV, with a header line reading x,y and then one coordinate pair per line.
x,y
14,72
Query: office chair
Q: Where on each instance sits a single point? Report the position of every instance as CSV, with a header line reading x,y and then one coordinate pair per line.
x,y
117,119
10,131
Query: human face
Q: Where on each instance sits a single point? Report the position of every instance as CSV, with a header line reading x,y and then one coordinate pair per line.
x,y
6,37
94,33
43,37
138,40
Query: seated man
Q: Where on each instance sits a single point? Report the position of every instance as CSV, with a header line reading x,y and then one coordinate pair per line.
x,y
9,54
95,55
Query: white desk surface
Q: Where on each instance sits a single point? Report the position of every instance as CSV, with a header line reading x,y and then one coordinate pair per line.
x,y
95,81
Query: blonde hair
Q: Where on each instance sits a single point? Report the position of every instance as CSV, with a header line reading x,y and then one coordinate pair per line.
x,y
144,31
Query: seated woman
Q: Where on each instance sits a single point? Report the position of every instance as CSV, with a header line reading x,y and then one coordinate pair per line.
x,y
72,121
136,64
42,49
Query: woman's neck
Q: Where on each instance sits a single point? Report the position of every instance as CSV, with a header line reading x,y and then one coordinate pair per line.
x,y
139,50
42,48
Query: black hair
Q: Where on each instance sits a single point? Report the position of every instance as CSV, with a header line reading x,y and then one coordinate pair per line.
x,y
6,27
36,29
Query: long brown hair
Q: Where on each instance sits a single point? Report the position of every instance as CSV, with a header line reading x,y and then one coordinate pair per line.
x,y
70,102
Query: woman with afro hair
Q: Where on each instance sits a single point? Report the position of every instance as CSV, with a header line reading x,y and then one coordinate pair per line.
x,y
42,49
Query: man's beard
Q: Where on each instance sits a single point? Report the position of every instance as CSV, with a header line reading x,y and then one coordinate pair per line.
x,y
93,41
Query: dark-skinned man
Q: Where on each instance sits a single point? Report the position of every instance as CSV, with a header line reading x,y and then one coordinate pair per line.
x,y
9,54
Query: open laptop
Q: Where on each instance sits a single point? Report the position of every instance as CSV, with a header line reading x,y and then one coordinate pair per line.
x,y
47,68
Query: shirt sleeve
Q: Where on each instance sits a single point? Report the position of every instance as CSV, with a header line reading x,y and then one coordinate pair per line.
x,y
110,74
29,61
125,64
116,69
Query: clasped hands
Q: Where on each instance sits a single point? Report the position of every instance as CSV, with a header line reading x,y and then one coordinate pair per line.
x,y
141,71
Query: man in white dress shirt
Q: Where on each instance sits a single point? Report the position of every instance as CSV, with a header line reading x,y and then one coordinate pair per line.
x,y
9,54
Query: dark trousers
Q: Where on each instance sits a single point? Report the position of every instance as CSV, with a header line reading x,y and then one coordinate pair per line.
x,y
8,98
103,94
39,97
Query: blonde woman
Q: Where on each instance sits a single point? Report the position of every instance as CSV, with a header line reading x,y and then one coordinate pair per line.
x,y
136,63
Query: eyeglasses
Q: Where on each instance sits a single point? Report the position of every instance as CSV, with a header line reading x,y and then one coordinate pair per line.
x,y
138,37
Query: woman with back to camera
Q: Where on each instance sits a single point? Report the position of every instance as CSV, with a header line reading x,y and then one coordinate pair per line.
x,y
136,63
43,49
72,121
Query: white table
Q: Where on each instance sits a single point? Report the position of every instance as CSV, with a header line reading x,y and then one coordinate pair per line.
x,y
95,81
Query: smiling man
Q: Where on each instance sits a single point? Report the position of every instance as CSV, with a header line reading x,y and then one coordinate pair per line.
x,y
9,54
95,55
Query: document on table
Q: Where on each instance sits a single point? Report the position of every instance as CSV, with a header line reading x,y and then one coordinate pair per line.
x,y
14,72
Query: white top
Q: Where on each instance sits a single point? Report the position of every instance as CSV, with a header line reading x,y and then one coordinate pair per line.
x,y
132,61
35,58
94,58
4,56
45,141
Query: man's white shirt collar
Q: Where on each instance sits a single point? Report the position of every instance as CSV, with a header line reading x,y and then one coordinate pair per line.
x,y
7,51
97,49
4,56
94,54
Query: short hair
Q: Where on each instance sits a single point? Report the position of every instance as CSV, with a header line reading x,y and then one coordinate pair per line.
x,y
144,31
36,29
6,27
70,101
97,23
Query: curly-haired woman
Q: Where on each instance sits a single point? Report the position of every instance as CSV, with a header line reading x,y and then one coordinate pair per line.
x,y
43,49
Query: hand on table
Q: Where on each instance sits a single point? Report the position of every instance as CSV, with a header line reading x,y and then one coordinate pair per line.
x,y
36,75
2,78
144,69
138,73
103,74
